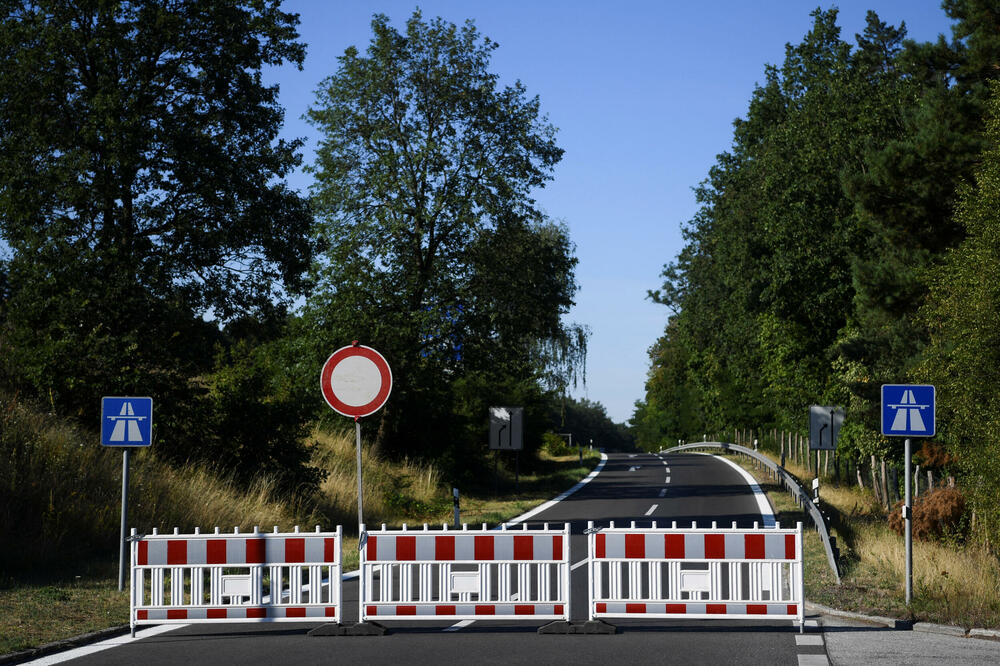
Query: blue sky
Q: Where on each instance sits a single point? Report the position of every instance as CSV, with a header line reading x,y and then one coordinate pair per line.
x,y
644,95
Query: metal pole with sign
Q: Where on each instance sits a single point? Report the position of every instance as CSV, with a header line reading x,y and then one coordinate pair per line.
x,y
125,422
356,381
908,410
506,434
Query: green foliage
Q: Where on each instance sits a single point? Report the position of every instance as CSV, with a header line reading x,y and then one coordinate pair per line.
x,y
436,253
555,445
962,313
258,426
828,258
589,424
152,213
152,200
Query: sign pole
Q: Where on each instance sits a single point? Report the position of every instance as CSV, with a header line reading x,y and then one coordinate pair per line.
x,y
357,432
908,521
122,541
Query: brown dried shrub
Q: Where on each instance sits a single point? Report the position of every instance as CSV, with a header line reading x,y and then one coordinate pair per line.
x,y
935,514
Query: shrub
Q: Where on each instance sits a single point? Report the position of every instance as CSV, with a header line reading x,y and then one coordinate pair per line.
x,y
937,514
555,445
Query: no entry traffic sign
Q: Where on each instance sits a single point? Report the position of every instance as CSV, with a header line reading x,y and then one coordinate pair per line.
x,y
356,381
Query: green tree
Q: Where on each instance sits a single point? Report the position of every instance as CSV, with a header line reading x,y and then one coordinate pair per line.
x,y
438,255
140,192
963,358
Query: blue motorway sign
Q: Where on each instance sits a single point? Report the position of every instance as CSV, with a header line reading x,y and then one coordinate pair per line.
x,y
908,410
126,421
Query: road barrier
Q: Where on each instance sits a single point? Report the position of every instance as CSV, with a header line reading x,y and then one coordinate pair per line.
x,y
258,577
695,573
465,574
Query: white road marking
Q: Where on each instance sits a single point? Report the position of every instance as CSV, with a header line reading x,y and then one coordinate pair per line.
x,y
652,509
459,625
813,660
634,467
578,564
809,639
766,512
125,639
663,493
552,502
668,480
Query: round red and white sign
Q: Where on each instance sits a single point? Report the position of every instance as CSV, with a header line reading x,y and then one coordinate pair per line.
x,y
355,381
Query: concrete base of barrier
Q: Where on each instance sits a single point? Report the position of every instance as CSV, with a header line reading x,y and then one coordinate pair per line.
x,y
588,627
359,629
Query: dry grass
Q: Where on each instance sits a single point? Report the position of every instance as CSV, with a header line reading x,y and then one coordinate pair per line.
x,y
187,497
393,492
51,467
953,583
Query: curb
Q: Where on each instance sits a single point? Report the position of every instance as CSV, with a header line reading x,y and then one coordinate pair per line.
x,y
943,629
985,634
891,622
63,645
909,625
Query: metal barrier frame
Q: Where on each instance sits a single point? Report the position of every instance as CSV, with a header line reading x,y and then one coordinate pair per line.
x,y
465,574
298,569
652,563
798,492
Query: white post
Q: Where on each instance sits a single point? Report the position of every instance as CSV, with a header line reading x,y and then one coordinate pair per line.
x,y
590,571
566,565
801,577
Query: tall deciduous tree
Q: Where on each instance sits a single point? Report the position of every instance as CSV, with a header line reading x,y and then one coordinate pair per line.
x,y
438,253
140,188
963,359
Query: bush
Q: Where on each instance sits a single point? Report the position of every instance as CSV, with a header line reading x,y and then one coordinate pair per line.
x,y
555,445
936,515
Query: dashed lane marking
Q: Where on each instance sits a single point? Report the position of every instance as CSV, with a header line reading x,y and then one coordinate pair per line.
x,y
652,509
459,625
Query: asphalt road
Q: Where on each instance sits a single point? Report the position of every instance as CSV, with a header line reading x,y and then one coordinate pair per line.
x,y
644,488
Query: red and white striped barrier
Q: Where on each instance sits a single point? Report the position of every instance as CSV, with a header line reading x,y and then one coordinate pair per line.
x,y
258,577
465,574
696,573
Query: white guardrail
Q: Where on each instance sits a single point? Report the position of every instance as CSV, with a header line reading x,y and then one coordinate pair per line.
x,y
695,573
256,577
465,574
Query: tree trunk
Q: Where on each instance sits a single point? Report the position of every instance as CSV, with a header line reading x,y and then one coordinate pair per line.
x,y
930,480
916,482
857,471
885,487
875,484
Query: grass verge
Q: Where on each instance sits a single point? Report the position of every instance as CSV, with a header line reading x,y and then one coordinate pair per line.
x,y
953,583
83,597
